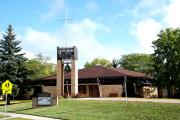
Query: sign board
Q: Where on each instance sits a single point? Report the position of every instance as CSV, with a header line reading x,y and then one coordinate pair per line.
x,y
7,91
7,87
44,101
44,98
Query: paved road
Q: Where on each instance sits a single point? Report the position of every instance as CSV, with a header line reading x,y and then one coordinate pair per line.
x,y
32,117
135,99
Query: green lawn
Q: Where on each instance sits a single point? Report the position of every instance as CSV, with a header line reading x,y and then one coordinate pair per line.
x,y
1,116
105,110
2,102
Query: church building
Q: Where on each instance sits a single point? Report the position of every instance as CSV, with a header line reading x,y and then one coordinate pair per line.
x,y
100,81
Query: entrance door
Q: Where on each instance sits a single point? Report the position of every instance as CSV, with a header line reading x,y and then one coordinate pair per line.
x,y
130,90
93,91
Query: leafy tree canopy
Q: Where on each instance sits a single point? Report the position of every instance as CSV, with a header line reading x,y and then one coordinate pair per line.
x,y
39,67
136,62
98,61
115,63
166,58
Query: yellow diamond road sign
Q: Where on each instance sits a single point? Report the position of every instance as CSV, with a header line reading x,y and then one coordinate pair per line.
x,y
7,87
7,91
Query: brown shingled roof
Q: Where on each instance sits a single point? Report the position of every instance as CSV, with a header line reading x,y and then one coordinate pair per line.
x,y
101,71
130,73
50,78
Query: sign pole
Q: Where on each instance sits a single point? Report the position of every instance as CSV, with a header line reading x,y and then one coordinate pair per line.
x,y
125,80
99,89
5,106
7,87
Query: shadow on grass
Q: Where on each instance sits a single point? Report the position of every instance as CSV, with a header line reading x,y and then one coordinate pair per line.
x,y
12,103
22,109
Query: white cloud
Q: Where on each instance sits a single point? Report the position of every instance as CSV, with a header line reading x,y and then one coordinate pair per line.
x,y
172,16
41,40
146,32
35,42
165,11
152,16
145,9
91,6
55,7
28,54
82,34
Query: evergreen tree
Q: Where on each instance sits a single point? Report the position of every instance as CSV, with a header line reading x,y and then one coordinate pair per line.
x,y
11,60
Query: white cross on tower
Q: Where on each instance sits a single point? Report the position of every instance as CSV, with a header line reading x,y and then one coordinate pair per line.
x,y
66,19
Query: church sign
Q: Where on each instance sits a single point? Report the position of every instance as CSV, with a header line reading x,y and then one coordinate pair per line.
x,y
44,99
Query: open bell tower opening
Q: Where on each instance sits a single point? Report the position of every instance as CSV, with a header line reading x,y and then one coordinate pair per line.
x,y
67,55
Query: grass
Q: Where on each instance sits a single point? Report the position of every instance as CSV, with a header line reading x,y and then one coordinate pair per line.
x,y
2,102
1,116
105,110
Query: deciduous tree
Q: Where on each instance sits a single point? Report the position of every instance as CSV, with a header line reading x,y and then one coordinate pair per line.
x,y
166,59
39,67
98,61
136,62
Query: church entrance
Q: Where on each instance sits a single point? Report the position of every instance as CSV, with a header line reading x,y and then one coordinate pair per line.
x,y
93,91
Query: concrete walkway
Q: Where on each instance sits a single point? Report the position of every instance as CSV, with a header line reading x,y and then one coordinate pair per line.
x,y
31,117
160,100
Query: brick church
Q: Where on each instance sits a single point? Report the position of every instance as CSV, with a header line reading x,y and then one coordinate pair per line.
x,y
105,82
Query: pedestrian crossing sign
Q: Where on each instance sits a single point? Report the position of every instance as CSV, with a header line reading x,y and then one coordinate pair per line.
x,y
7,87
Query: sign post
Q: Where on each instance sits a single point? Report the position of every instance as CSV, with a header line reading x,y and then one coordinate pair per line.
x,y
100,93
6,89
125,87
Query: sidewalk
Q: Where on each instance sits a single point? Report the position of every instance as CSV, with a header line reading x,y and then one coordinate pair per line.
x,y
32,117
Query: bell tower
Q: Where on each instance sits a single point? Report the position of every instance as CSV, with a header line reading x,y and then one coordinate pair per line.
x,y
67,55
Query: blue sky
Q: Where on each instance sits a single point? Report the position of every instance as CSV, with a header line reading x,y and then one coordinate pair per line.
x,y
100,28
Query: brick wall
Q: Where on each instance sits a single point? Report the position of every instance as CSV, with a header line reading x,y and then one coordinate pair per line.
x,y
50,89
111,90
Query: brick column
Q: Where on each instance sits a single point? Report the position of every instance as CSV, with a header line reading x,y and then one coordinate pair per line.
x,y
60,79
74,78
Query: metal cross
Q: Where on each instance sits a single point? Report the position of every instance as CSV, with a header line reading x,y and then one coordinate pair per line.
x,y
66,19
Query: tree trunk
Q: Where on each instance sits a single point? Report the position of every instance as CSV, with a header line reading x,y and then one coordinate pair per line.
x,y
171,92
160,92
